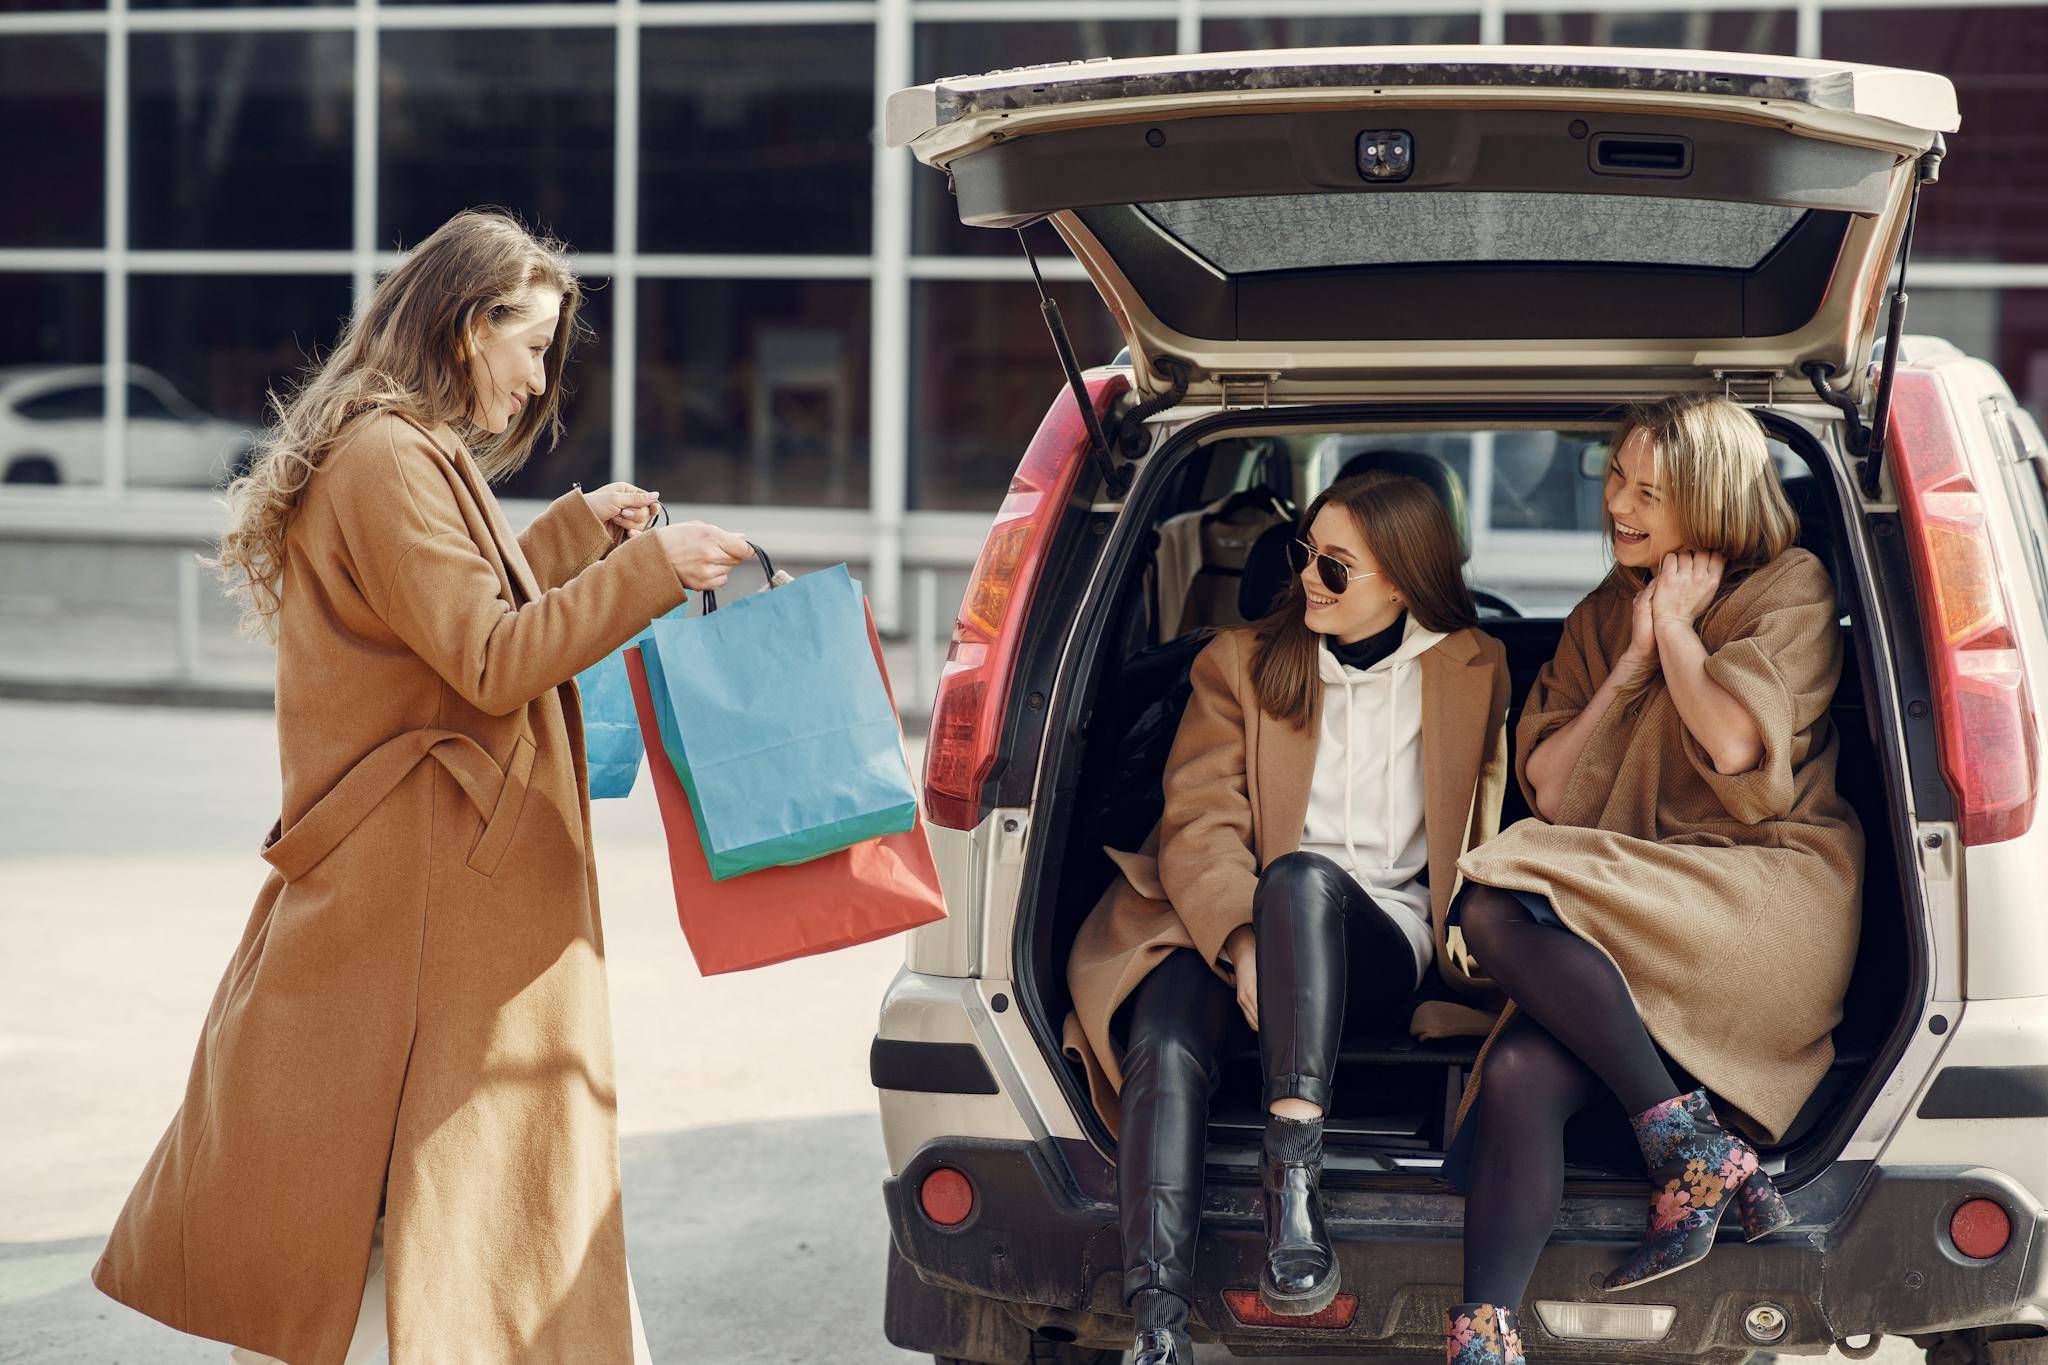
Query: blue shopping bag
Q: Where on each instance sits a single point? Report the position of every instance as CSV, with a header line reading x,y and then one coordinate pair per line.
x,y
773,713
611,729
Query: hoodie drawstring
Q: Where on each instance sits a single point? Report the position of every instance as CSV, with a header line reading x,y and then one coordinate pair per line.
x,y
1350,714
1394,677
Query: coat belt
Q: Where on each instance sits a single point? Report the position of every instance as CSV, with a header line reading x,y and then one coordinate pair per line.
x,y
296,851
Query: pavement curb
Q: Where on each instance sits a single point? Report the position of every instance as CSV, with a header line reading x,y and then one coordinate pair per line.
x,y
214,695
142,692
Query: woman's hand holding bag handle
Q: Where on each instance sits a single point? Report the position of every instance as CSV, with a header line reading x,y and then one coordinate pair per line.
x,y
702,554
774,576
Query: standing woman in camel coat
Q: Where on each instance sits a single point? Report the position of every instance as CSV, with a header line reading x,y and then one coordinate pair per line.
x,y
403,1090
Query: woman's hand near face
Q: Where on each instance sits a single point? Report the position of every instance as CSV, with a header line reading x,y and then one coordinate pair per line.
x,y
703,554
1642,627
624,506
1686,582
1242,947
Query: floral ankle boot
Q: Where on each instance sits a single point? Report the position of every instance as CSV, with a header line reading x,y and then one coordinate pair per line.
x,y
1482,1334
1697,1170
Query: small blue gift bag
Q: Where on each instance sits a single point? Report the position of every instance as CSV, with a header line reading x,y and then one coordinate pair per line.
x,y
611,729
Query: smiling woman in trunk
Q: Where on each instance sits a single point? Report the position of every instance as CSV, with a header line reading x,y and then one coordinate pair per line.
x,y
1334,761
1690,895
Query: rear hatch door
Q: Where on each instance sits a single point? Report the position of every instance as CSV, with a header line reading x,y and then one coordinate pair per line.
x,y
1325,223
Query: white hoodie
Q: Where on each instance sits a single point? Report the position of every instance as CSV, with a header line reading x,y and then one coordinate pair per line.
x,y
1365,797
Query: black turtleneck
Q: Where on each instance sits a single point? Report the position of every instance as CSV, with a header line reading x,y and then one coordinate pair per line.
x,y
1369,651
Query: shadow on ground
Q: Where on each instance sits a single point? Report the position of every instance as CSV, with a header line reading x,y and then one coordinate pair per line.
x,y
750,1243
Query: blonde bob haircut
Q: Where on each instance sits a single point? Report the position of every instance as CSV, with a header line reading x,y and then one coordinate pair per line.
x,y
1720,478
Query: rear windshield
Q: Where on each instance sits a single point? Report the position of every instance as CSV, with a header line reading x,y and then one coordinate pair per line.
x,y
1261,233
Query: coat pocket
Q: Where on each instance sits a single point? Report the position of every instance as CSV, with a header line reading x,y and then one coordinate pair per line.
x,y
504,822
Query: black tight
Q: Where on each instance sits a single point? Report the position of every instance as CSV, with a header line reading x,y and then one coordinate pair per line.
x,y
1531,1087
1568,986
1576,1034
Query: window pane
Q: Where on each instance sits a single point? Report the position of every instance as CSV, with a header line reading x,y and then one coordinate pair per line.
x,y
984,372
754,391
20,6
1992,201
64,402
51,362
1246,35
241,140
517,118
962,49
1317,231
1770,30
221,342
55,84
585,453
756,139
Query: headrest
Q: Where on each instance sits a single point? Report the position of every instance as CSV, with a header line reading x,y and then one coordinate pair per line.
x,y
1450,489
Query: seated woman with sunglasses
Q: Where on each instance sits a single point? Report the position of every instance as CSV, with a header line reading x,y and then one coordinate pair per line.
x,y
1334,762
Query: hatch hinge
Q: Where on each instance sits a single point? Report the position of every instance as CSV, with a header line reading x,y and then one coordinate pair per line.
x,y
1252,389
1750,386
1866,443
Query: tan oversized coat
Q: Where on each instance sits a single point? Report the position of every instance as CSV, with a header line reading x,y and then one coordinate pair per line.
x,y
420,992
1237,790
1731,904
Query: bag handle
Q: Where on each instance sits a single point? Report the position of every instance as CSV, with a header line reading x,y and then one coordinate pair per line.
x,y
767,573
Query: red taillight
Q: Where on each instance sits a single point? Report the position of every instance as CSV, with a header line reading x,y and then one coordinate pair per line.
x,y
1980,1228
1250,1310
974,688
947,1196
1980,682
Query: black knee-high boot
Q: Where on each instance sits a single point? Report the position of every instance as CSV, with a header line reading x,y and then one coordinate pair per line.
x,y
1179,1017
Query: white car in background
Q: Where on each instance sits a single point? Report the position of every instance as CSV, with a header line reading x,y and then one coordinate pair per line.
x,y
53,422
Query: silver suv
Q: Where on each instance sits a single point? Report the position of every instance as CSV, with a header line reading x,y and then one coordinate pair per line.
x,y
1458,261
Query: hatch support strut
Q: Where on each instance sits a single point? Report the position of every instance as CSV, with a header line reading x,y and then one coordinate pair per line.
x,y
1867,443
1116,478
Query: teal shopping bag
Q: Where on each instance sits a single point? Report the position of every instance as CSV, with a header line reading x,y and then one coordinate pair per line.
x,y
773,713
611,728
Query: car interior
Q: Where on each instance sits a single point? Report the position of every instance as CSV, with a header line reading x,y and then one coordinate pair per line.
x,y
1395,1095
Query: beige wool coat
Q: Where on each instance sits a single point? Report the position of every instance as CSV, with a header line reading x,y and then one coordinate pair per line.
x,y
1730,904
418,1002
1237,791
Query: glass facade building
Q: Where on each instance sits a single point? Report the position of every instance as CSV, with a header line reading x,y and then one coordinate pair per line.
x,y
794,335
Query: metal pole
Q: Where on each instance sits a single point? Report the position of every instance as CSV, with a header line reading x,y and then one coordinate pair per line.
x,y
188,616
927,637
625,283
889,330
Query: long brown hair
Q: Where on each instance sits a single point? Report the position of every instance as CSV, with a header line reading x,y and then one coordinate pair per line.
x,y
405,353
1408,530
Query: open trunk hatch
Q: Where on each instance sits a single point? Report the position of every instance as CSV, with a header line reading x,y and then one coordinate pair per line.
x,y
1323,223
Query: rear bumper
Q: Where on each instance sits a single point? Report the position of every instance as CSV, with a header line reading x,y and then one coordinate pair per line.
x,y
1868,1253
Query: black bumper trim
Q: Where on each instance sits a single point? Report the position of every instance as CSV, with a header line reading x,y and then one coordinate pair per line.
x,y
933,1068
1987,1092
1866,1252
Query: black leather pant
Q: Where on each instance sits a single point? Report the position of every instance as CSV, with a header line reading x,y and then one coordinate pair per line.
x,y
1321,939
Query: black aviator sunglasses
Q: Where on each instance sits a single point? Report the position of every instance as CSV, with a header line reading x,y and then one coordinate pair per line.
x,y
1335,573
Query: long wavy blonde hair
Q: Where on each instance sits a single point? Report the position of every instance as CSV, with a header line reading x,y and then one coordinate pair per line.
x,y
404,353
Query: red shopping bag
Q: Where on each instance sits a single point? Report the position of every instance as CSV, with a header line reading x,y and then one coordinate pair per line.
x,y
869,891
